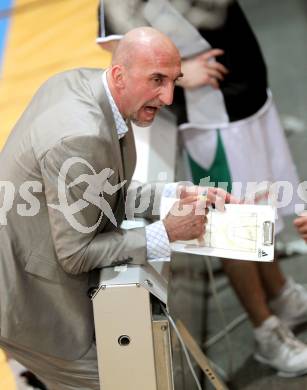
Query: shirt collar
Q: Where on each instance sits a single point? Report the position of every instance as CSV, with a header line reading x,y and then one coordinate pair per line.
x,y
121,126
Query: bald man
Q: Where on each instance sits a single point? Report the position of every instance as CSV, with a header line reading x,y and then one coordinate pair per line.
x,y
65,172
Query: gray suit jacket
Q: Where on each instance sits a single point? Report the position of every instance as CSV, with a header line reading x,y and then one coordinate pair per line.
x,y
44,261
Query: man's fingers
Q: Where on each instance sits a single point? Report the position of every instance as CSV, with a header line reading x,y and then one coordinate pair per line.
x,y
212,194
189,199
201,206
300,221
215,66
189,205
229,198
187,191
218,66
191,191
301,225
215,74
212,53
218,197
232,199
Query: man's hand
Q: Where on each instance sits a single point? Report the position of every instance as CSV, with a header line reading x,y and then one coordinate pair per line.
x,y
203,70
301,225
213,196
186,219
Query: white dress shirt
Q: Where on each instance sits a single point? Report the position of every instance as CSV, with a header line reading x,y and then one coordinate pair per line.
x,y
157,241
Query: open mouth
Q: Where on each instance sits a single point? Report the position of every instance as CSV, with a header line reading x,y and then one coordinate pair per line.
x,y
150,109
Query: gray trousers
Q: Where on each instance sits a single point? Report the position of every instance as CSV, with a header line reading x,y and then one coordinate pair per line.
x,y
57,374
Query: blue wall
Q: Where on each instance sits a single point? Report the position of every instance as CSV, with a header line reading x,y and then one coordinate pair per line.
x,y
5,5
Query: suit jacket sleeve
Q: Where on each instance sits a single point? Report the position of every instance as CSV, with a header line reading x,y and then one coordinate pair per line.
x,y
144,200
80,248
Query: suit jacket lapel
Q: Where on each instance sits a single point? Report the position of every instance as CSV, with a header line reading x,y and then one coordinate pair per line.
x,y
128,153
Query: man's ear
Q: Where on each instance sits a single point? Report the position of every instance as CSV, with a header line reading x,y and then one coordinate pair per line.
x,y
118,76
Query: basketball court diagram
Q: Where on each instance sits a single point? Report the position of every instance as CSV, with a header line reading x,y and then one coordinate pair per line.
x,y
229,231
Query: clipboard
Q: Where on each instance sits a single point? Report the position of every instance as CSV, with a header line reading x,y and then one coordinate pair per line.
x,y
242,232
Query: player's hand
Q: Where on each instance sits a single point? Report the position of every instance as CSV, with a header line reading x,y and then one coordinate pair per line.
x,y
301,225
203,70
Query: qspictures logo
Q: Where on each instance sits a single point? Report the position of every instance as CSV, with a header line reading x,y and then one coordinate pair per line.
x,y
92,187
97,185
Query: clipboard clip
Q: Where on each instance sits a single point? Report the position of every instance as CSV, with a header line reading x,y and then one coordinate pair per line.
x,y
268,233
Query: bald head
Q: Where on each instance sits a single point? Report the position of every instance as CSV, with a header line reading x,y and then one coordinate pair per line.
x,y
143,42
145,67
